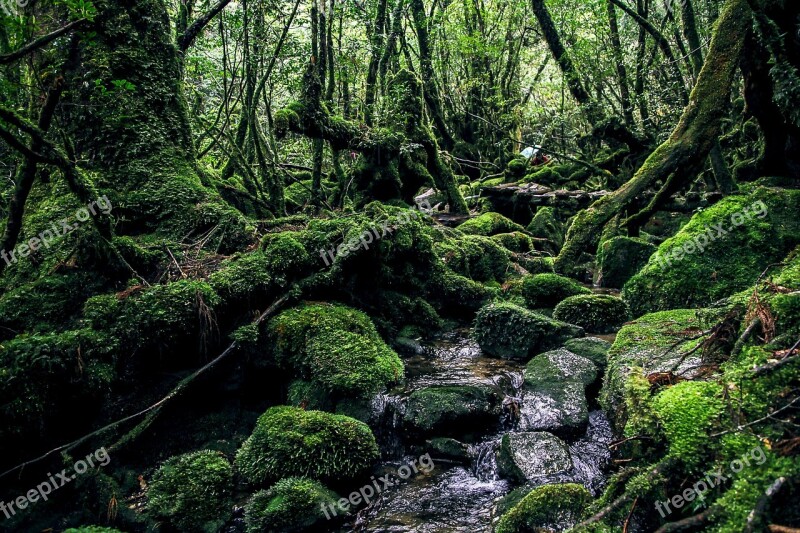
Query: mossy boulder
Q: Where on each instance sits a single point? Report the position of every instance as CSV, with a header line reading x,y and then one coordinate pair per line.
x,y
547,508
336,347
559,365
489,224
517,167
451,410
547,290
292,505
192,492
598,313
545,225
620,258
476,257
516,242
697,266
531,456
592,348
654,343
512,332
560,407
449,449
288,441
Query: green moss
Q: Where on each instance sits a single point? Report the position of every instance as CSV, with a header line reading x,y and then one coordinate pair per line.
x,y
687,412
288,441
449,409
557,366
592,348
513,332
192,492
476,257
336,347
516,242
243,278
517,167
489,224
92,529
769,230
545,225
551,507
620,258
547,290
598,313
292,505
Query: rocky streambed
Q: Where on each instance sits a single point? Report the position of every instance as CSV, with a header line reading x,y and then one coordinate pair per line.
x,y
494,428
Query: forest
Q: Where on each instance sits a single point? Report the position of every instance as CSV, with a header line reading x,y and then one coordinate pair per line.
x,y
422,266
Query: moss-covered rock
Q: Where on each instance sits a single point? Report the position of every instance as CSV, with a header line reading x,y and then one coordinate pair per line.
x,y
489,224
336,347
696,267
192,492
451,409
598,313
530,456
517,167
476,257
512,332
547,290
620,258
592,348
292,505
547,508
559,365
516,241
449,449
288,441
545,225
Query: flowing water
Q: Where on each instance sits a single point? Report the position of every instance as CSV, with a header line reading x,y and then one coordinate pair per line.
x,y
459,497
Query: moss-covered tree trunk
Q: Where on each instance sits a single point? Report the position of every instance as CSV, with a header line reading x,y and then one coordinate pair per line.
x,y
687,147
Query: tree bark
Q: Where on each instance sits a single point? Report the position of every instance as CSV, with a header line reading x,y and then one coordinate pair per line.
x,y
690,142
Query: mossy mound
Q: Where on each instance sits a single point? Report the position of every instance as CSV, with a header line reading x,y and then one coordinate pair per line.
x,y
547,290
547,508
451,410
516,242
489,224
517,167
512,332
336,347
292,505
592,348
545,225
288,441
697,267
476,257
620,258
598,313
192,492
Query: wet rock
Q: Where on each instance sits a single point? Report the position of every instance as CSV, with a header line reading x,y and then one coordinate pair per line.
x,y
449,449
559,365
512,332
452,410
592,348
533,455
559,407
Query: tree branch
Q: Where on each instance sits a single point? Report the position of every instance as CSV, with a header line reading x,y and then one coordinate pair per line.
x,y
40,42
191,33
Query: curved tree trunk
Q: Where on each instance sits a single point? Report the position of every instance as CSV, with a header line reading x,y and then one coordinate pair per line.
x,y
687,147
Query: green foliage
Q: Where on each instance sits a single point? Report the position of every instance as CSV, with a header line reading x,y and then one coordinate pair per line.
x,y
288,441
598,313
336,347
547,290
550,507
192,491
292,505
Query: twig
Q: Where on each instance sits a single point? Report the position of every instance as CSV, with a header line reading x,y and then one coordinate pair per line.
x,y
753,423
688,523
630,513
769,367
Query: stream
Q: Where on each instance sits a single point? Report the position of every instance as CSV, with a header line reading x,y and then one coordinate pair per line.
x,y
462,495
